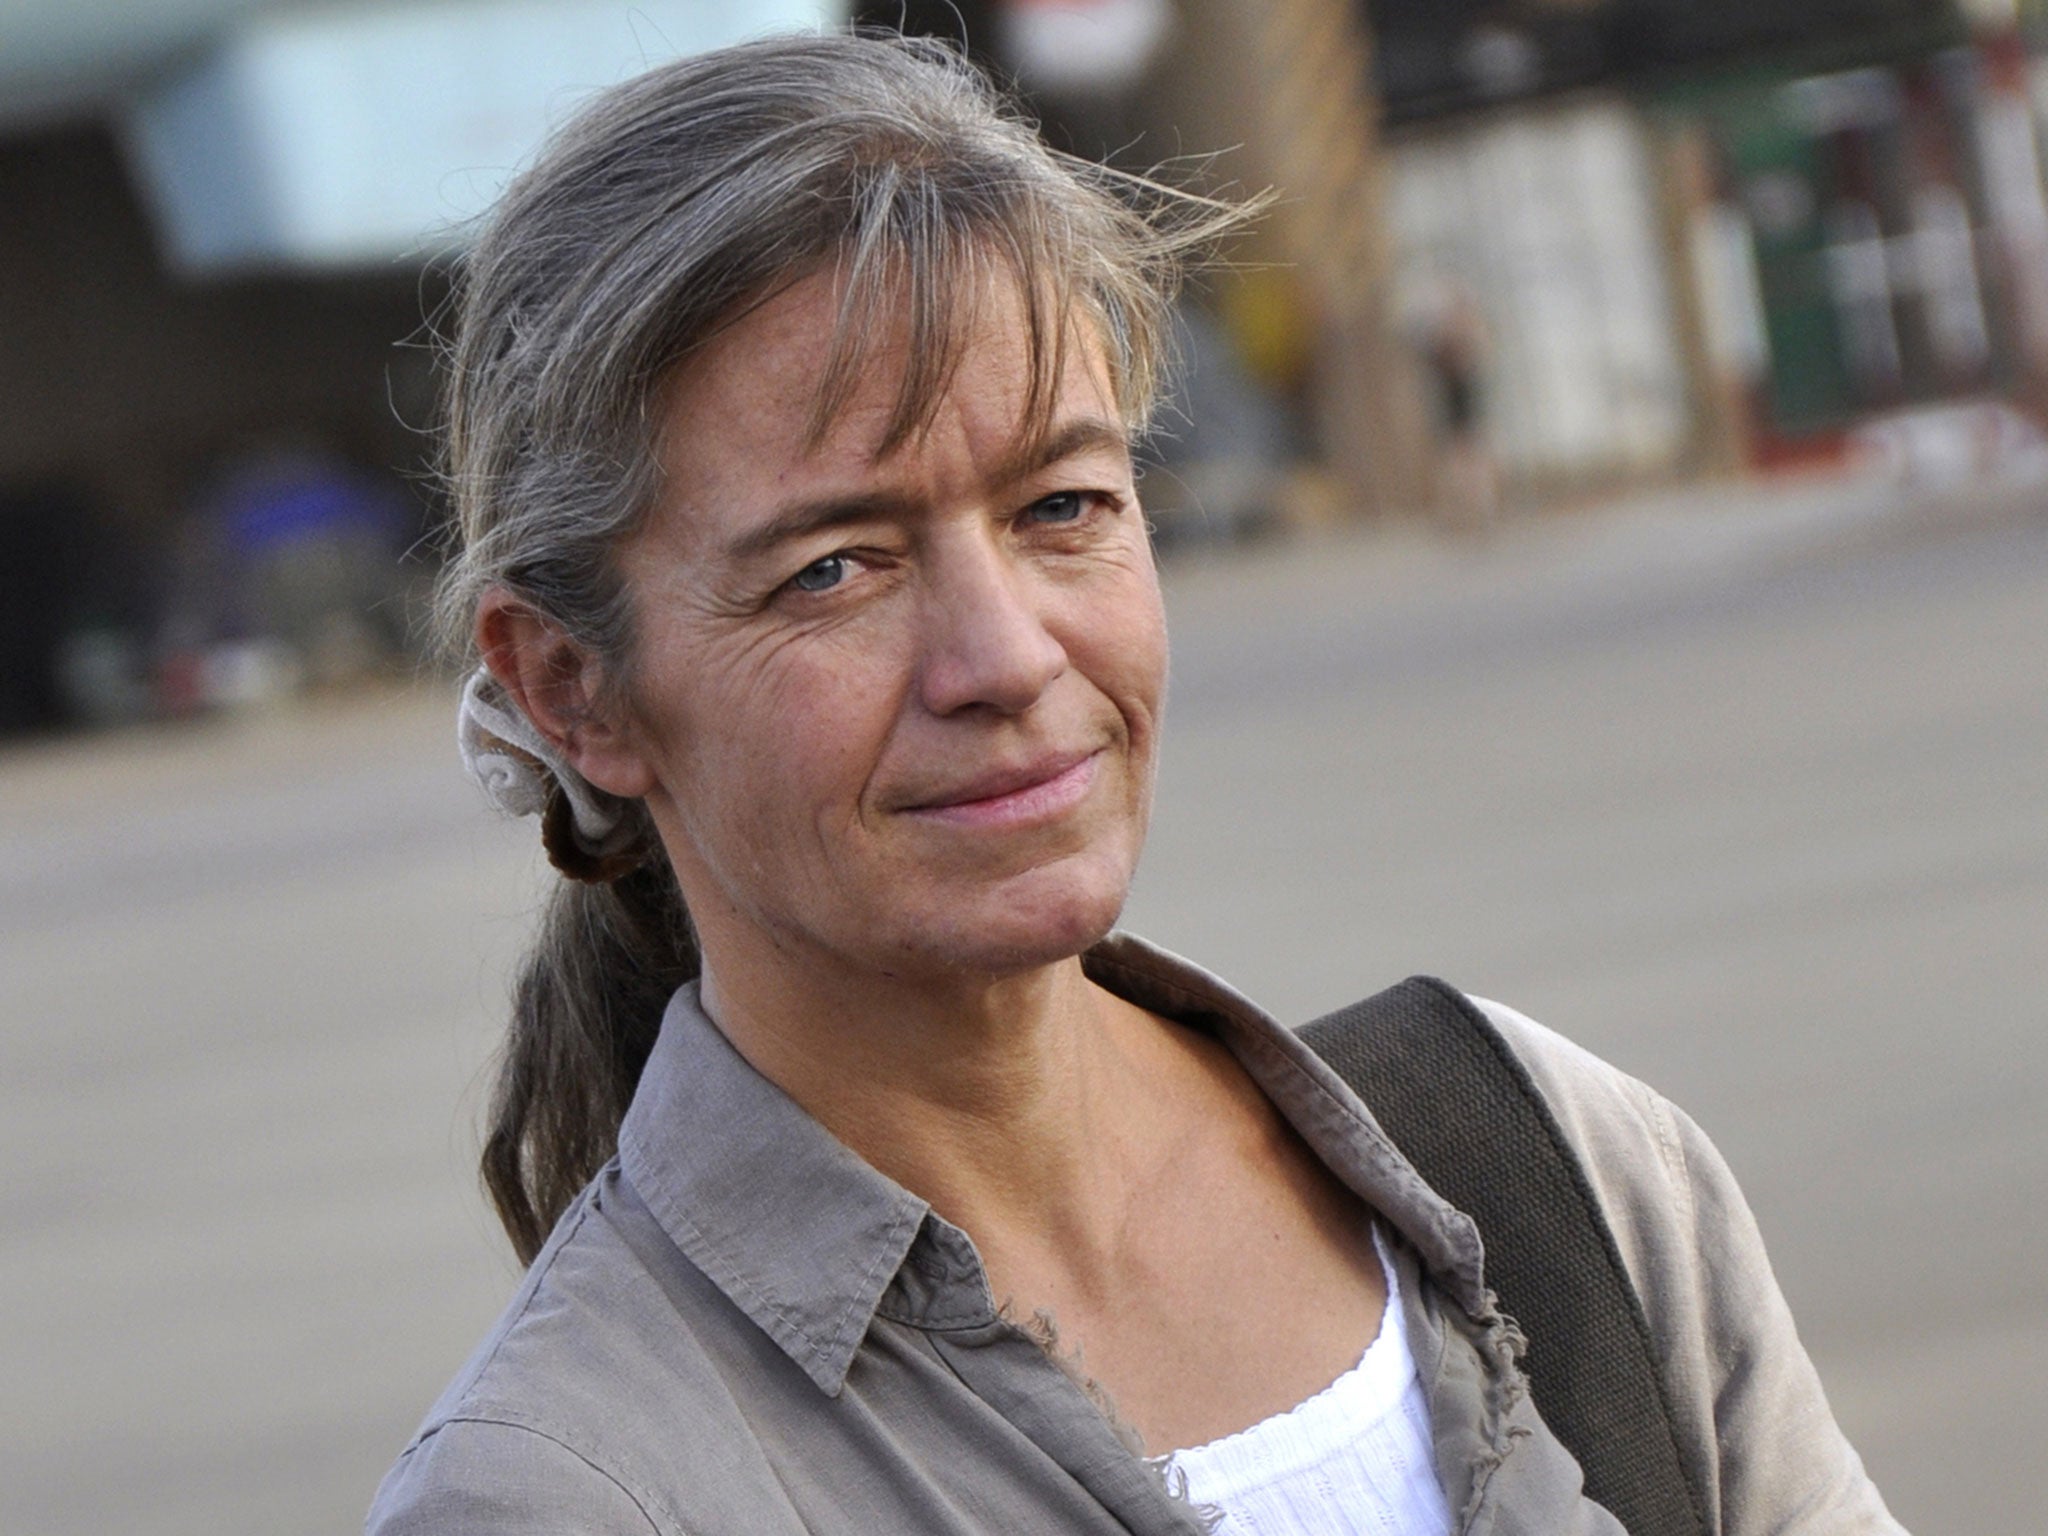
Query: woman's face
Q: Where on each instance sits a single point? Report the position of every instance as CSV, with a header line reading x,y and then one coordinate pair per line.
x,y
894,713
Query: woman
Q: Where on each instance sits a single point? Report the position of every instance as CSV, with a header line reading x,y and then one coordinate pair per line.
x,y
790,436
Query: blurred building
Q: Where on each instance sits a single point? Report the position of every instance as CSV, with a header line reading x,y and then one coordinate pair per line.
x,y
220,246
1868,242
1705,238
1523,249
1606,242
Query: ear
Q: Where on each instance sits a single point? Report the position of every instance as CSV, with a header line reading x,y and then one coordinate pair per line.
x,y
559,684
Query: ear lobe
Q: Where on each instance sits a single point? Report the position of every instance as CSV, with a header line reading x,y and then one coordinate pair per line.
x,y
559,685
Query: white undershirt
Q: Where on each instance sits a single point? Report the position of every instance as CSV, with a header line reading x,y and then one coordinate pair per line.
x,y
1354,1459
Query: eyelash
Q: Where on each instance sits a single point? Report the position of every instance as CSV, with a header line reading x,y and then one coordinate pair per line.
x,y
796,582
1080,499
1083,503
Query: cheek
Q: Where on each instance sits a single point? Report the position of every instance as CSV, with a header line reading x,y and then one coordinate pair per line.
x,y
796,731
1120,639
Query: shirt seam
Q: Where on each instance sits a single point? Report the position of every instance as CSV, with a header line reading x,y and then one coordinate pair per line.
x,y
506,1418
825,1356
1673,1150
509,1323
1270,1052
1385,1158
948,1322
867,1289
1150,979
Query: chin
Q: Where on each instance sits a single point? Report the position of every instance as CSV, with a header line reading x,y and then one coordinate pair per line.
x,y
1021,926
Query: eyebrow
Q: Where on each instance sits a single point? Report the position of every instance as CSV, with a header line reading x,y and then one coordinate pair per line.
x,y
1082,435
803,518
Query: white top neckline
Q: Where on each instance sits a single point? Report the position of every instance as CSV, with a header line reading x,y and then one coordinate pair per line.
x,y
1356,1456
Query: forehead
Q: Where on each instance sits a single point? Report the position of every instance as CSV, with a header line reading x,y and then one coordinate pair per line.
x,y
759,397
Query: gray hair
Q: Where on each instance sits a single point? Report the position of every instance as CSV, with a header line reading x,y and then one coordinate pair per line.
x,y
676,202
660,215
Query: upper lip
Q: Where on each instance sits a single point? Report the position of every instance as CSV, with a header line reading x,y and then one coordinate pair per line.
x,y
1002,779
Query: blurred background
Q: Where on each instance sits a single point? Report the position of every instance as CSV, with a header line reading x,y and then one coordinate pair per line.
x,y
1603,521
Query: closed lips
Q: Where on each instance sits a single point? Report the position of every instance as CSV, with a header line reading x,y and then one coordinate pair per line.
x,y
996,784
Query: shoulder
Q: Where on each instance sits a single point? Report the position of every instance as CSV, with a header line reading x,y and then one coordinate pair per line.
x,y
1679,1220
1742,1390
1676,1211
468,1476
1630,1139
552,1423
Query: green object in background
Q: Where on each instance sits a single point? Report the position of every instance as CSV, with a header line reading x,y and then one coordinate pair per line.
x,y
1779,177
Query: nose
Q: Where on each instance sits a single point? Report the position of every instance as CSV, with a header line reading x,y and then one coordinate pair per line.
x,y
986,643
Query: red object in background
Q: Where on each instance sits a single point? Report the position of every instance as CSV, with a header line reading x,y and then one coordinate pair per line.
x,y
181,683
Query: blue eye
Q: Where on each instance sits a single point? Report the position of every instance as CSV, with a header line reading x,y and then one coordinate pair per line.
x,y
820,575
1060,507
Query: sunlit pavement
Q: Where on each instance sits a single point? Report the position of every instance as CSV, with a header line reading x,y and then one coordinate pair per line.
x,y
1752,799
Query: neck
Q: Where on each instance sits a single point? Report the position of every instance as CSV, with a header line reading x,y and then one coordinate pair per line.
x,y
1029,1109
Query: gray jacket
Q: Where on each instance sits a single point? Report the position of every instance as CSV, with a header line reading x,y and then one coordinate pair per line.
x,y
741,1329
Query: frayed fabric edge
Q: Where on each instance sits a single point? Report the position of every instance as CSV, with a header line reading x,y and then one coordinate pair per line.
x,y
1175,1481
1043,1330
1502,1344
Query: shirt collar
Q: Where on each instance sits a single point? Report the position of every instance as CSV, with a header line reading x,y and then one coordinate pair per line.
x,y
797,1231
806,1238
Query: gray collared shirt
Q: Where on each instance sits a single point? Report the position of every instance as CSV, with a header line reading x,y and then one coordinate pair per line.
x,y
742,1329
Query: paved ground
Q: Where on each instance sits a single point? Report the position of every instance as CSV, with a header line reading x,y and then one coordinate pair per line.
x,y
1750,798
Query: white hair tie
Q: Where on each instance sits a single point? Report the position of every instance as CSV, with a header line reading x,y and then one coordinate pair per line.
x,y
518,768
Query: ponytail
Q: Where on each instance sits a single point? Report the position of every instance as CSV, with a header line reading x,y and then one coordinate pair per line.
x,y
585,1011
